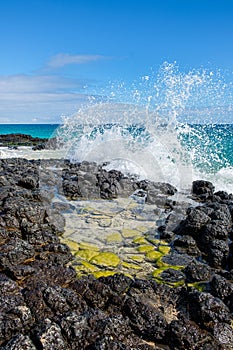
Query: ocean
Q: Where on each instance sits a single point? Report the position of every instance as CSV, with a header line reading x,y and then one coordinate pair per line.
x,y
35,130
145,130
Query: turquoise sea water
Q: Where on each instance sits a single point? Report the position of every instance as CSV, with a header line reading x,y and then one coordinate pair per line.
x,y
210,146
35,130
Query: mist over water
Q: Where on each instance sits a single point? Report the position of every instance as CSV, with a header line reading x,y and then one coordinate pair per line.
x,y
158,128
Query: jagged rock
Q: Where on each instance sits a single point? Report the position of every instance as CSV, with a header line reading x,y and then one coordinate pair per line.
x,y
19,342
196,272
203,189
44,306
147,320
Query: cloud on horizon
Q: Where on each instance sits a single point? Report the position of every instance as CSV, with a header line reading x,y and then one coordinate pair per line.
x,y
43,98
62,59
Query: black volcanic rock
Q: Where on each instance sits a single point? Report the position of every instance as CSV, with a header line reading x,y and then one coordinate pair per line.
x,y
203,189
14,140
44,306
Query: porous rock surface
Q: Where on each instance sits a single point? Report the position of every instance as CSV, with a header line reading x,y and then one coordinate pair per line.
x,y
43,305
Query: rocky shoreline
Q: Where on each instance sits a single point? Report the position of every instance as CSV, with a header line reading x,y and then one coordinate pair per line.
x,y
187,303
37,143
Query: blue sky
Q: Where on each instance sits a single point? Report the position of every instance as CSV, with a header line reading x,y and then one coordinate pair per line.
x,y
56,53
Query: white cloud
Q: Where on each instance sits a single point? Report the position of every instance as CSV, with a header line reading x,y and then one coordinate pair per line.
x,y
26,97
62,59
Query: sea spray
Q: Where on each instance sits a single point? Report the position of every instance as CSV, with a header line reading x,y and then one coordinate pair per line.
x,y
142,128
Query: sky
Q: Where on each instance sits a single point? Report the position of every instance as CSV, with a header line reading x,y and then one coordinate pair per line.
x,y
56,55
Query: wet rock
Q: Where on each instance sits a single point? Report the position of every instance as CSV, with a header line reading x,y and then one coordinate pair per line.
x,y
224,334
19,140
203,189
186,245
207,310
196,219
20,272
44,306
29,182
213,230
147,320
158,187
197,271
108,182
172,276
48,336
176,259
217,253
15,316
222,289
185,334
118,283
19,342
15,252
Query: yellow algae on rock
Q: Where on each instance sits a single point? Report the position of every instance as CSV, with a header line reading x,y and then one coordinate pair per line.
x,y
89,266
84,245
156,273
153,255
137,258
85,267
140,240
114,237
106,259
74,246
142,228
130,233
164,249
131,266
157,241
105,273
161,263
86,254
145,248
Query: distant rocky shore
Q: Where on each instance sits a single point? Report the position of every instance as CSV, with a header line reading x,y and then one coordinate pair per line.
x,y
44,305
15,140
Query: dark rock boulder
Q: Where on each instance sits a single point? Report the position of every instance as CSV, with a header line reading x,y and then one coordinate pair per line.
x,y
202,189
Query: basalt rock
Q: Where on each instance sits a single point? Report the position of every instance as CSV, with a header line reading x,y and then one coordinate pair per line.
x,y
43,305
203,189
197,272
14,140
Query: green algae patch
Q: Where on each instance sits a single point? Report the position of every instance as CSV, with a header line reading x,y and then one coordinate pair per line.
x,y
145,248
142,228
130,233
153,255
164,249
131,266
137,258
156,275
106,273
160,263
106,259
84,268
157,241
140,240
74,246
88,266
87,246
200,286
114,237
86,254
